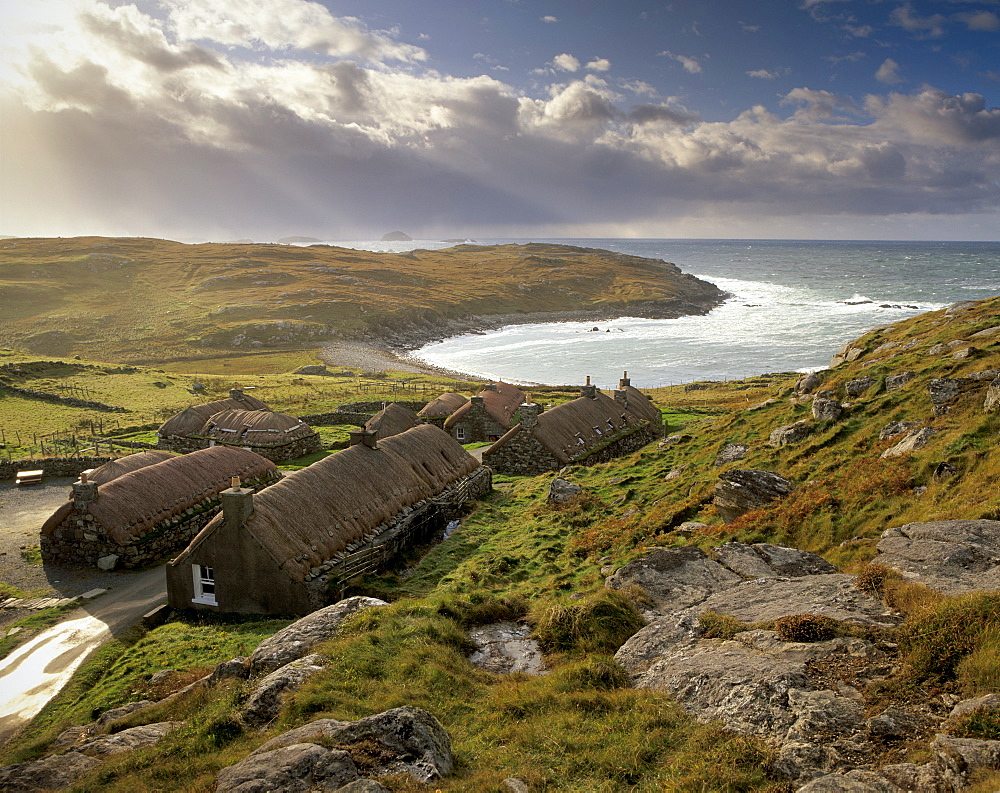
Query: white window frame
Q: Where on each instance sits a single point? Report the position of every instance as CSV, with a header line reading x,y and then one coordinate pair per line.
x,y
460,434
202,575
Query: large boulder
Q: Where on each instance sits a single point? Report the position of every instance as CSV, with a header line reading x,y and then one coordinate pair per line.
x,y
301,636
894,382
808,383
913,440
409,740
763,560
507,647
730,453
857,387
53,772
267,697
945,389
961,758
992,400
127,740
741,490
827,409
299,767
674,578
950,556
789,433
562,491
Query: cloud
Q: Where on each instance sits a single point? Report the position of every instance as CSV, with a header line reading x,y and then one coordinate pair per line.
x,y
859,31
922,27
599,65
888,72
762,74
284,24
549,19
749,28
566,62
690,64
985,21
851,57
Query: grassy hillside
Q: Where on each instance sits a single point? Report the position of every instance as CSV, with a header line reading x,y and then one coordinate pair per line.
x,y
148,300
517,556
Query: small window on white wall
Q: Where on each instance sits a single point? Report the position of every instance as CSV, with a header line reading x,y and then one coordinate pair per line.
x,y
204,585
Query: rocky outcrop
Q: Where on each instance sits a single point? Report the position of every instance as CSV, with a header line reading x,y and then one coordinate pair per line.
x,y
914,440
299,767
789,433
826,409
945,389
731,453
896,381
808,383
54,772
267,697
127,740
301,636
507,647
951,556
562,491
895,428
407,740
854,388
741,490
992,400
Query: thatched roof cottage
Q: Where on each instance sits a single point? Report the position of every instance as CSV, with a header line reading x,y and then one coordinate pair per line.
x,y
392,420
486,416
143,515
112,469
182,432
280,551
276,436
590,429
438,410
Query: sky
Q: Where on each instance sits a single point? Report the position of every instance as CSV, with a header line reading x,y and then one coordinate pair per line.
x,y
228,119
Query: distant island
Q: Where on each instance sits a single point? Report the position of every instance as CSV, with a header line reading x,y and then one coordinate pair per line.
x,y
396,236
288,240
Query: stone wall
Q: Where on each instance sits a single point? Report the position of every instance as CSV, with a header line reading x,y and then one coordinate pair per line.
x,y
80,540
375,407
479,426
276,454
181,443
30,393
354,418
52,466
524,455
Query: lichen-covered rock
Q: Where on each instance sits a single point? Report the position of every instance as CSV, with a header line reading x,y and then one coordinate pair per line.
x,y
914,440
827,409
857,387
562,491
992,400
410,740
789,433
674,578
944,389
808,383
730,453
894,382
126,740
988,702
851,782
895,428
299,767
741,490
507,647
268,695
763,560
301,636
950,556
958,758
54,772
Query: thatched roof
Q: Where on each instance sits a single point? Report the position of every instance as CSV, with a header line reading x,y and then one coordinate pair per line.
x,y
577,427
190,421
135,503
312,514
125,465
501,401
641,405
392,420
255,428
444,405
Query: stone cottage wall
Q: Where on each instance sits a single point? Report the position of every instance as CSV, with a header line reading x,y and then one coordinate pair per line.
x,y
276,454
181,443
52,466
521,455
479,426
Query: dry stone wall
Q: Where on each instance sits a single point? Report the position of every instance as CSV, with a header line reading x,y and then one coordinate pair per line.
x,y
276,454
524,455
52,466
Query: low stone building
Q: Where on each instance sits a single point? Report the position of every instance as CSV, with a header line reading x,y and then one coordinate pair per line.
x,y
182,432
591,429
276,436
392,420
487,416
283,550
437,411
139,517
126,465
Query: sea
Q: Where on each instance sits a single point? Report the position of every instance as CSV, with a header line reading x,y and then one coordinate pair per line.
x,y
792,305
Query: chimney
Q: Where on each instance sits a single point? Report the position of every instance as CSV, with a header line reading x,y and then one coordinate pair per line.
x,y
237,505
624,381
478,402
621,397
490,387
529,414
365,438
236,393
84,492
588,390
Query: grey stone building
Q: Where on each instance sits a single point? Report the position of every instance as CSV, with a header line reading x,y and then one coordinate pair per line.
x,y
182,432
143,515
392,420
590,429
486,416
276,436
286,549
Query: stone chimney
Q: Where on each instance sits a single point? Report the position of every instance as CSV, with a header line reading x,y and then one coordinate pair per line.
x,y
624,381
365,438
84,492
478,402
489,387
588,390
621,397
236,393
237,504
529,414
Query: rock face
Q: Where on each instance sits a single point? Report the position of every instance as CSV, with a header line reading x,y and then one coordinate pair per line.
x,y
507,647
54,772
951,556
992,400
826,409
265,701
301,636
741,490
562,490
894,382
915,439
789,433
409,740
299,767
857,387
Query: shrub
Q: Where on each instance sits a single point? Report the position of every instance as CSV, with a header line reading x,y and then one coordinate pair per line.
x,y
595,672
720,626
874,577
600,624
805,628
983,724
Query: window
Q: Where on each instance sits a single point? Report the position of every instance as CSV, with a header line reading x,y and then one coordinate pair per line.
x,y
204,585
460,434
